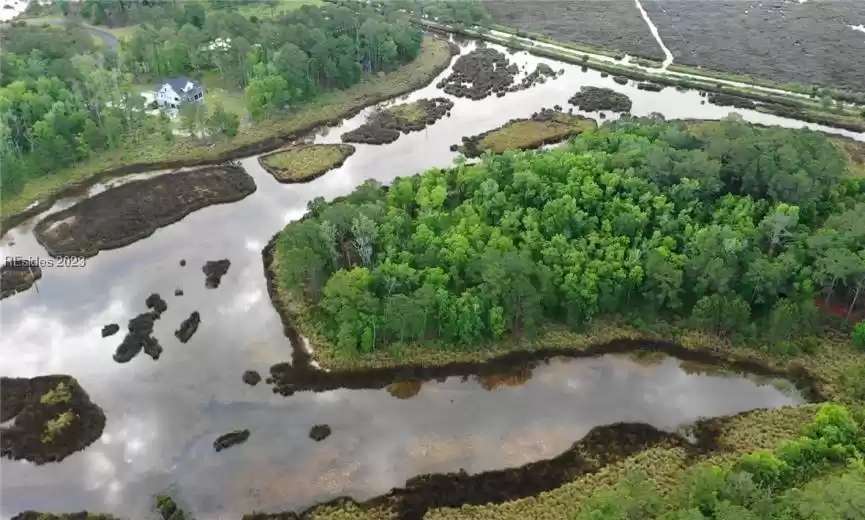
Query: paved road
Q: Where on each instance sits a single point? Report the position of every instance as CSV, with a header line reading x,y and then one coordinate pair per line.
x,y
109,39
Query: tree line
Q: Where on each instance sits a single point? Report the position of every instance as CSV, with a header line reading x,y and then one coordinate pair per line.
x,y
280,62
737,228
64,99
61,101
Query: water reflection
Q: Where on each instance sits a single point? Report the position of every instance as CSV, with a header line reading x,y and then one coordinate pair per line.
x,y
162,416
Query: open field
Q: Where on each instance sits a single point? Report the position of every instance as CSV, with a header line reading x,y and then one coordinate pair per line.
x,y
810,42
604,23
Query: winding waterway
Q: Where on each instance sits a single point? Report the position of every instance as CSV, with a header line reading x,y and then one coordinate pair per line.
x,y
162,416
668,56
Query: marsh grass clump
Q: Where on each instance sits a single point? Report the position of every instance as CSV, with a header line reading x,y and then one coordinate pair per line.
x,y
49,418
168,508
385,126
60,394
305,162
593,99
55,426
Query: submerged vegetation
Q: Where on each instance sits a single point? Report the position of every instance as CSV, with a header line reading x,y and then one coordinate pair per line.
x,y
747,233
305,162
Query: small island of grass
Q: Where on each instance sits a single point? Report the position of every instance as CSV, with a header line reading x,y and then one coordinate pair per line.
x,y
304,163
545,127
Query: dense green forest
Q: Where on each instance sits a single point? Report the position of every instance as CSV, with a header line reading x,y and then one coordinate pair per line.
x,y
735,227
819,476
63,100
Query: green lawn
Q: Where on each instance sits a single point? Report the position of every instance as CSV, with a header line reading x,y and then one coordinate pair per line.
x,y
216,90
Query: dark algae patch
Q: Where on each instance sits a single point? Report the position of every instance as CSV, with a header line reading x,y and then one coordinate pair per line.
x,y
52,416
593,99
251,377
385,126
727,100
125,214
479,74
214,270
139,337
228,440
110,330
303,163
15,279
542,128
319,432
188,327
156,303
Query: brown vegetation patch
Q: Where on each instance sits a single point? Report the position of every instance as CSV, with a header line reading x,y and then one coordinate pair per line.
x,y
386,125
128,213
591,99
480,73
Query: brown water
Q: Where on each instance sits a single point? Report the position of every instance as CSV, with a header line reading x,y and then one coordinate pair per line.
x,y
162,416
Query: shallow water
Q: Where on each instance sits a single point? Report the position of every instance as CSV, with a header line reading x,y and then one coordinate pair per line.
x,y
381,437
162,416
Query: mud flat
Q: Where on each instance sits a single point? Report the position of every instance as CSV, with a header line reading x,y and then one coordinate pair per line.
x,y
125,214
386,125
542,128
479,74
807,42
591,99
14,279
610,24
305,162
52,416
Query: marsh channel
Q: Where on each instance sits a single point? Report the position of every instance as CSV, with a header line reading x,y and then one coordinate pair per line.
x,y
162,416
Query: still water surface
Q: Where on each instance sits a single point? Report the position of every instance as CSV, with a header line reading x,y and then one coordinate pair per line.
x,y
162,415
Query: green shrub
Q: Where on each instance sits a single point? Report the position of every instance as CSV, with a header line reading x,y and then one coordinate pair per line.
x,y
859,335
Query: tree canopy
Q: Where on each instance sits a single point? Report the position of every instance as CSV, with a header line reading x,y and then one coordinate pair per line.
x,y
737,228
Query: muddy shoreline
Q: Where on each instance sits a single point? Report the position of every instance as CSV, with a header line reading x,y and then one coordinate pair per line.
x,y
284,176
601,447
299,375
246,150
128,213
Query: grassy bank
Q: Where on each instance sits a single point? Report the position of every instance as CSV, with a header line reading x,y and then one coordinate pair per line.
x,y
434,57
304,163
531,133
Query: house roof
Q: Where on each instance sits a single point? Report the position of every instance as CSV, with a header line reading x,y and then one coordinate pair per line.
x,y
180,83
